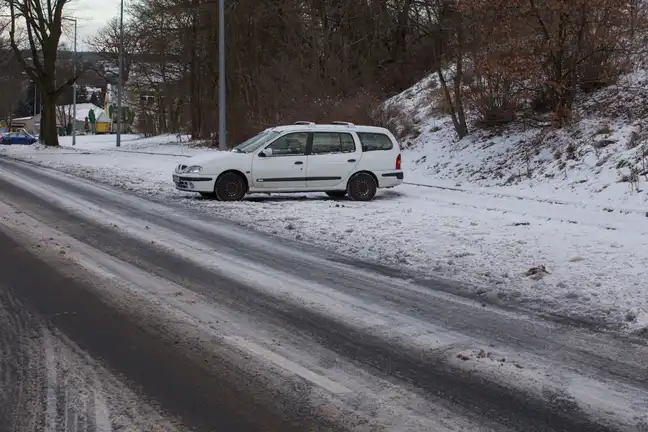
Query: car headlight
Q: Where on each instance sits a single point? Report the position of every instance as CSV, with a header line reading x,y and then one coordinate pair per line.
x,y
194,169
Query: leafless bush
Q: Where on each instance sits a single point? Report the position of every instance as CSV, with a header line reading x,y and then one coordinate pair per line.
x,y
494,97
632,178
400,123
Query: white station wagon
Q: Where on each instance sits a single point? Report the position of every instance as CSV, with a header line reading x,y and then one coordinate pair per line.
x,y
338,159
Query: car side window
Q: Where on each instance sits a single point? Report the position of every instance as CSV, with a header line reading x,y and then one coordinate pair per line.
x,y
293,144
375,141
333,142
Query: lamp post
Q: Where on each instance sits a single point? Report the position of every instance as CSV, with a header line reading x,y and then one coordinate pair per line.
x,y
120,78
74,88
222,112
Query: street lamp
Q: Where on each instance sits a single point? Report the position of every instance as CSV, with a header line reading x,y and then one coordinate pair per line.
x,y
120,78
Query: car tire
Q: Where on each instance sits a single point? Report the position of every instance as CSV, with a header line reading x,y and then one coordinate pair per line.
x,y
230,187
362,187
336,194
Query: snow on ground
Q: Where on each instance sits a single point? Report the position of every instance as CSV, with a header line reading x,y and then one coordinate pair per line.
x,y
496,239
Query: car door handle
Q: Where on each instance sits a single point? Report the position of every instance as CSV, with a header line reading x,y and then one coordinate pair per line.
x,y
351,160
299,163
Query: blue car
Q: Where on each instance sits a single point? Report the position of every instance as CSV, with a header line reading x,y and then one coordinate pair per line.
x,y
17,138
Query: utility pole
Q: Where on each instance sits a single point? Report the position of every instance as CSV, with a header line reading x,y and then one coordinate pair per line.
x,y
121,67
222,112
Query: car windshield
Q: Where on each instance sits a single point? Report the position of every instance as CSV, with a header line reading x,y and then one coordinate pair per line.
x,y
256,141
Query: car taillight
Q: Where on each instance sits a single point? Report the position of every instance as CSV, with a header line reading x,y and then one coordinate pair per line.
x,y
398,162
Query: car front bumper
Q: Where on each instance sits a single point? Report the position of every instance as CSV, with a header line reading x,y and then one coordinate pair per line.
x,y
194,183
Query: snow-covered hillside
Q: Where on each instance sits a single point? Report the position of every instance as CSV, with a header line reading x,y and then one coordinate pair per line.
x,y
602,158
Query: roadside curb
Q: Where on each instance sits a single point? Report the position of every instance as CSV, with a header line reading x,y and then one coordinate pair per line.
x,y
149,153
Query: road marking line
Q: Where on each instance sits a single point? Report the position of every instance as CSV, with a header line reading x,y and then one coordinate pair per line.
x,y
289,365
50,365
102,412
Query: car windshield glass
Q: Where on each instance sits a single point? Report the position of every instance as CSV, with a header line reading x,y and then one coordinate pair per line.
x,y
256,141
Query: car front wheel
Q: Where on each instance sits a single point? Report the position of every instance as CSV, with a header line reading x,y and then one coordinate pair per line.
x,y
230,187
362,187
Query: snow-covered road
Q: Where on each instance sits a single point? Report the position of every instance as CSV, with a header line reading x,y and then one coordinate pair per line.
x,y
595,255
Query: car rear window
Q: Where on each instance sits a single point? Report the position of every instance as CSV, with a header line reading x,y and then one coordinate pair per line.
x,y
332,142
375,141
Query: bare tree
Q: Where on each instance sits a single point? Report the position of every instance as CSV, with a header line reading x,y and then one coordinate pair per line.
x,y
106,44
43,24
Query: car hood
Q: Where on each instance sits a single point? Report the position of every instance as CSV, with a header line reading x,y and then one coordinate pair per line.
x,y
211,157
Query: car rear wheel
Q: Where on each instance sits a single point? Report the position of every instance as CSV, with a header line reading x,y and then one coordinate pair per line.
x,y
230,187
362,187
336,194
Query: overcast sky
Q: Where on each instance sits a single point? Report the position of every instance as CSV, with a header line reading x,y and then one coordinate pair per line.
x,y
92,15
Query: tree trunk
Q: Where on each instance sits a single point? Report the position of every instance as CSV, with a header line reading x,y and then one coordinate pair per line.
x,y
462,129
49,132
459,121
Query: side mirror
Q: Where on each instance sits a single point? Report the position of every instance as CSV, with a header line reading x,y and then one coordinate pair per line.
x,y
266,152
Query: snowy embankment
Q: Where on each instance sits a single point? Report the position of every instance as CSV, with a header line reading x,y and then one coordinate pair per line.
x,y
563,247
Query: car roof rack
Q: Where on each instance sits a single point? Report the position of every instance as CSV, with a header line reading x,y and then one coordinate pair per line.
x,y
343,123
309,123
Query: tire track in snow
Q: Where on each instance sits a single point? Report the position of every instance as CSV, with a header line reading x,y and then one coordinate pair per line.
x,y
50,383
20,367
